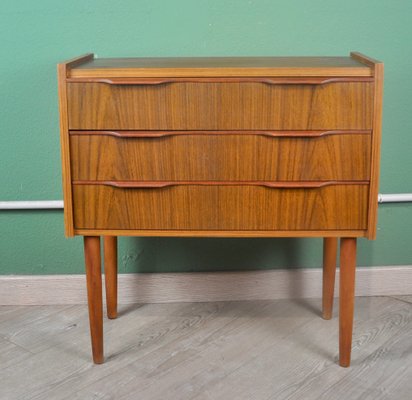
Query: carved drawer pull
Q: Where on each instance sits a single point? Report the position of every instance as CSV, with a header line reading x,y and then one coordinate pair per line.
x,y
164,184
266,80
279,134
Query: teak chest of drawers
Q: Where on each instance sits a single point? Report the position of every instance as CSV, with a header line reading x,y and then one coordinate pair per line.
x,y
229,147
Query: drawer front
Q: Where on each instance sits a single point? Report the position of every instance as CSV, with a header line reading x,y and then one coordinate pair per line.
x,y
220,105
218,157
221,207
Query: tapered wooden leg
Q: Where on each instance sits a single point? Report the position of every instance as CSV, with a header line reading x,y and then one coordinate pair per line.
x,y
347,299
110,274
330,250
94,295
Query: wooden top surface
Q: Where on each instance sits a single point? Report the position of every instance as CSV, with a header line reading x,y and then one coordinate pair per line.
x,y
219,66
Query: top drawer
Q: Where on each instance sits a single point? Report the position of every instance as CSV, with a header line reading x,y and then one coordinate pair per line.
x,y
220,105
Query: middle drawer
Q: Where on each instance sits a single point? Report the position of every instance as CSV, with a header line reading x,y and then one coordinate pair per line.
x,y
219,156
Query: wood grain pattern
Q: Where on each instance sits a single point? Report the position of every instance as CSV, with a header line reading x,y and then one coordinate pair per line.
x,y
110,275
330,249
94,295
378,68
376,149
221,66
215,207
346,298
62,71
231,157
279,233
220,106
65,151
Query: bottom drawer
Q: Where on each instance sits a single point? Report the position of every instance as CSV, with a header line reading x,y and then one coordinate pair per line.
x,y
221,207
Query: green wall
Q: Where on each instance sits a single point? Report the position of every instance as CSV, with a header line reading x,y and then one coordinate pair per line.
x,y
35,35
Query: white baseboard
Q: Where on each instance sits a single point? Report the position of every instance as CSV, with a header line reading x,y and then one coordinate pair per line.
x,y
202,287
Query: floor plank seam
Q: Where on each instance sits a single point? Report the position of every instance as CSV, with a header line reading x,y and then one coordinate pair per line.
x,y
398,299
21,347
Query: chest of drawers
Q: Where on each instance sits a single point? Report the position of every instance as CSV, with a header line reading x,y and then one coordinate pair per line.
x,y
226,147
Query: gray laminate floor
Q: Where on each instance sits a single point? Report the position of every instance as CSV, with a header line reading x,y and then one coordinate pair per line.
x,y
260,350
